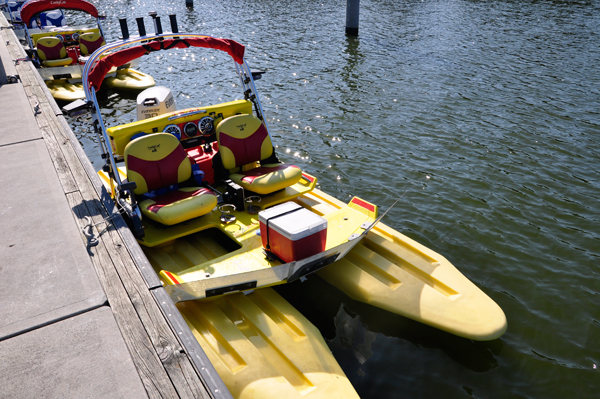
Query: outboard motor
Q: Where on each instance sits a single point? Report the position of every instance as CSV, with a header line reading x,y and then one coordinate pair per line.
x,y
155,101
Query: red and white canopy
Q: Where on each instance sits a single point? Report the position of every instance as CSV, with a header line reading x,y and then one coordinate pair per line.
x,y
34,7
101,68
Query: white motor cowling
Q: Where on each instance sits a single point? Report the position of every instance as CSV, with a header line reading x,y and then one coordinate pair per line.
x,y
155,101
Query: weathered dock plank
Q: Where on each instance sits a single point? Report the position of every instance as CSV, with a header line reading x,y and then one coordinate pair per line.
x,y
150,370
60,163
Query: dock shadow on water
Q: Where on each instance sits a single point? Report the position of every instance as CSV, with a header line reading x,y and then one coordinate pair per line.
x,y
374,345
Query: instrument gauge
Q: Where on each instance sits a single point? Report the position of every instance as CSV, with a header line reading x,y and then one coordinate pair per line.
x,y
174,130
206,126
190,129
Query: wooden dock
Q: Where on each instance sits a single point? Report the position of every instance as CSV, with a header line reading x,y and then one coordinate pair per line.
x,y
66,331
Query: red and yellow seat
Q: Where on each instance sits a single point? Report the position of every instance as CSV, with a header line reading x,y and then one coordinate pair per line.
x,y
52,52
244,144
90,42
157,161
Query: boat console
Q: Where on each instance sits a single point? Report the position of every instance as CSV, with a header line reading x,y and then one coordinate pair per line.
x,y
69,35
191,125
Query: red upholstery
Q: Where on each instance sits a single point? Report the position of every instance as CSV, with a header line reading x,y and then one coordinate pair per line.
x,y
158,174
158,161
52,52
90,42
244,144
245,150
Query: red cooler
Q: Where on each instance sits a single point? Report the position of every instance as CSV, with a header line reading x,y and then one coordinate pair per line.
x,y
294,232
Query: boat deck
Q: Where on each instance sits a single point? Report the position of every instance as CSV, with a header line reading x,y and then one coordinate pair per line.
x,y
76,319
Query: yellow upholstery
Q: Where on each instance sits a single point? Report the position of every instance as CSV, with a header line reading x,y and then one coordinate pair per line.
x,y
248,141
180,205
90,42
244,141
157,162
52,52
268,178
57,63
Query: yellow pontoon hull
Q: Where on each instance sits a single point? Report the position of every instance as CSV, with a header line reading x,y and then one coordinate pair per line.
x,y
125,79
130,79
264,348
393,272
62,90
386,269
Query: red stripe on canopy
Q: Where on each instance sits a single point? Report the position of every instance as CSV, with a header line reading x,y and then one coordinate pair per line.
x,y
99,71
34,7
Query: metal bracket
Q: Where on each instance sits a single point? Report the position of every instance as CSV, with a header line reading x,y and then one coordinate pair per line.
x,y
366,225
21,59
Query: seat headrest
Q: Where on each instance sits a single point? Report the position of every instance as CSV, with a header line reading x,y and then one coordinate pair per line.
x,y
50,48
49,41
155,161
90,42
243,139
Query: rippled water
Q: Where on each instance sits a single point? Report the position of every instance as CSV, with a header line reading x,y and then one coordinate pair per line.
x,y
486,113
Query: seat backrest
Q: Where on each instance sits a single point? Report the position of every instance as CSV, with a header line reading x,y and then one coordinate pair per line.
x,y
243,139
156,161
90,42
51,48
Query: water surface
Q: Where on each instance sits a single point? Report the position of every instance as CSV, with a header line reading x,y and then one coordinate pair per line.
x,y
485,113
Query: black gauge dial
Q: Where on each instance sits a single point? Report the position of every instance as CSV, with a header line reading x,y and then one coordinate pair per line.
x,y
190,129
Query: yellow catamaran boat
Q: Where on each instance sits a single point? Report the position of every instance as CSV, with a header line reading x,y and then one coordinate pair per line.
x,y
61,51
220,218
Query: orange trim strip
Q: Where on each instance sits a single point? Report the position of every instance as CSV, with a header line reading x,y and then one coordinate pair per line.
x,y
307,177
363,204
172,277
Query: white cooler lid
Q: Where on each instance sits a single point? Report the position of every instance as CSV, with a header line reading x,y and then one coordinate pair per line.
x,y
295,225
